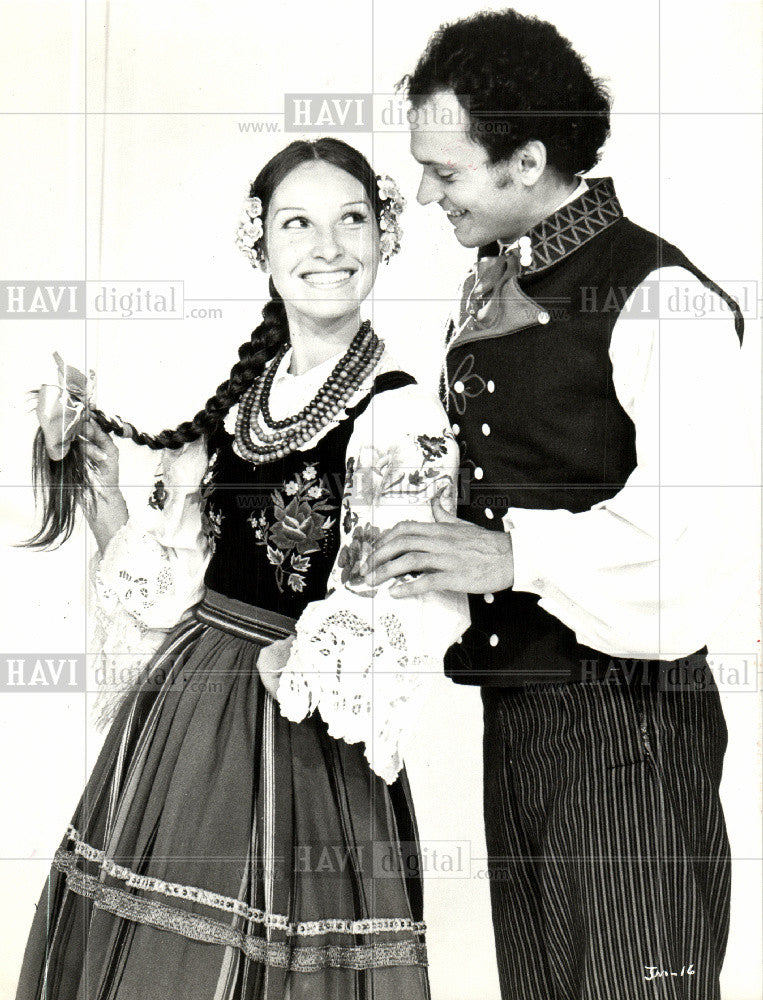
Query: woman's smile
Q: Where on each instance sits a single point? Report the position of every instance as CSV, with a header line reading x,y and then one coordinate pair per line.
x,y
329,279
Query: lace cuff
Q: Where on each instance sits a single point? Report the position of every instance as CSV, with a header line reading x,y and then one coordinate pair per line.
x,y
147,579
367,684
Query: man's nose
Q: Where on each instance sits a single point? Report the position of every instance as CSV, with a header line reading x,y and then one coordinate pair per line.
x,y
429,190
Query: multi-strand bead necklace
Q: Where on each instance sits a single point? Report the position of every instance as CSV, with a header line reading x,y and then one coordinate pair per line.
x,y
260,439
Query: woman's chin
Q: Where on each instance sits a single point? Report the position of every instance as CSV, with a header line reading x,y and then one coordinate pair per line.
x,y
328,310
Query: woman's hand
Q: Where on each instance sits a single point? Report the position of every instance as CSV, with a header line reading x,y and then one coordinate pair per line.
x,y
108,512
101,453
271,661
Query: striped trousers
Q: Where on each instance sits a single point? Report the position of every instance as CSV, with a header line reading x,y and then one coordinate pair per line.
x,y
608,857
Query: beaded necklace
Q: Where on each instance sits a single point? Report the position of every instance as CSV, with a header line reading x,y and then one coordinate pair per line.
x,y
261,439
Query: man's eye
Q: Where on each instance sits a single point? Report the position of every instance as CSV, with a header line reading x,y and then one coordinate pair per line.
x,y
445,177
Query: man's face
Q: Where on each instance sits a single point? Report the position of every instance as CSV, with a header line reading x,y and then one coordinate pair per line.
x,y
457,175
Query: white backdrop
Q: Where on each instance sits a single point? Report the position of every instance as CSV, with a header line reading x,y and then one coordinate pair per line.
x,y
126,152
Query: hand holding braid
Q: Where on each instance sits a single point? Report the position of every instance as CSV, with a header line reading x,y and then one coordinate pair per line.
x,y
60,486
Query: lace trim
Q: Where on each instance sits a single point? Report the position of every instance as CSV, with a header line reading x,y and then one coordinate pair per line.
x,y
279,954
66,862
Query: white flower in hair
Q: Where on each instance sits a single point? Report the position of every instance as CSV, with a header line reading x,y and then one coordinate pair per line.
x,y
250,231
393,205
388,189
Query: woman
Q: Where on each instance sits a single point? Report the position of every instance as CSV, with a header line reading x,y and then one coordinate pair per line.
x,y
229,845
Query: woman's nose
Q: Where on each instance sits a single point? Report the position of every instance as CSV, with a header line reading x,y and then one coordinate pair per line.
x,y
327,246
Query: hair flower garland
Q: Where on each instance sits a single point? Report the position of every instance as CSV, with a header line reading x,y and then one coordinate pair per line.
x,y
393,204
249,232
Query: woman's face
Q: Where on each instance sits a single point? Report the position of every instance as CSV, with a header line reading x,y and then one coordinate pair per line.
x,y
322,241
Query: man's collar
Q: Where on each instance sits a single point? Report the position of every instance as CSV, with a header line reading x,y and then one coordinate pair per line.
x,y
573,196
571,226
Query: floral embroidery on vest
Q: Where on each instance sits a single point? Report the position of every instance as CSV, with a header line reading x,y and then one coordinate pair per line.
x,y
297,528
211,519
465,384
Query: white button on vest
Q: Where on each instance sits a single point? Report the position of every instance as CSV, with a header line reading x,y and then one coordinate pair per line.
x,y
491,386
486,429
479,472
458,386
488,514
493,639
488,598
455,428
543,318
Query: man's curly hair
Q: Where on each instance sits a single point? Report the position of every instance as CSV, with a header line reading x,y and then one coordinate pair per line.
x,y
518,79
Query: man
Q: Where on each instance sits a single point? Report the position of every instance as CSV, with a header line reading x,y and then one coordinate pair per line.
x,y
588,573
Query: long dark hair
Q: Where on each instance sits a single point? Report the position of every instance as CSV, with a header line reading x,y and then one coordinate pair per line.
x,y
60,486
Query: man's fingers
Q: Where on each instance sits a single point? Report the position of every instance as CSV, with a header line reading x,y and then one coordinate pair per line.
x,y
422,585
410,562
392,549
406,537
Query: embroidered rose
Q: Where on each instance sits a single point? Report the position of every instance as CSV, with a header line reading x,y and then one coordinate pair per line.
x,y
375,477
351,555
297,528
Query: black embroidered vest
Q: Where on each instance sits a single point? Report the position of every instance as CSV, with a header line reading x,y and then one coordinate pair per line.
x,y
274,528
538,420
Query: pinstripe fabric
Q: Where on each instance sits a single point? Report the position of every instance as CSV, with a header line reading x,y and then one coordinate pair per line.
x,y
608,856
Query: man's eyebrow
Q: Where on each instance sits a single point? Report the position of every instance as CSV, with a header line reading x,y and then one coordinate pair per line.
x,y
432,163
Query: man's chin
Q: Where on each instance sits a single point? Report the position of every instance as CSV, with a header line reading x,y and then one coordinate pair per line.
x,y
467,240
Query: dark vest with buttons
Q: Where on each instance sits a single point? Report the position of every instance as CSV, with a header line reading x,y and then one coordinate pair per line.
x,y
274,527
539,423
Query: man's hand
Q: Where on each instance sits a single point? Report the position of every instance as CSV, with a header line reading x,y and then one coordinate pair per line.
x,y
450,555
271,661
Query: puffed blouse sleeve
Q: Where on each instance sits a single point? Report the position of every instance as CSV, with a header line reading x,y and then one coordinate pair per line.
x,y
361,656
150,574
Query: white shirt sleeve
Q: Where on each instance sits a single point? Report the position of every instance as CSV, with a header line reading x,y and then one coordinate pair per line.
x,y
646,573
362,657
148,577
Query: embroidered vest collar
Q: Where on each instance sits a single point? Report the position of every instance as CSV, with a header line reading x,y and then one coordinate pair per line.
x,y
492,300
569,228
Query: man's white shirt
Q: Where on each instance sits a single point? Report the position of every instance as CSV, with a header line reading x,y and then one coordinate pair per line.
x,y
647,573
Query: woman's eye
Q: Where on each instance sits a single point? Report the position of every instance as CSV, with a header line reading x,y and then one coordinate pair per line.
x,y
356,216
298,219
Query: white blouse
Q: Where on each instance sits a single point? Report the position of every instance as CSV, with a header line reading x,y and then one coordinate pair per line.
x,y
360,656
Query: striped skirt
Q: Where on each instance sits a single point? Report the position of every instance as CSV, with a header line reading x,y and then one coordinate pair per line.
x,y
221,852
